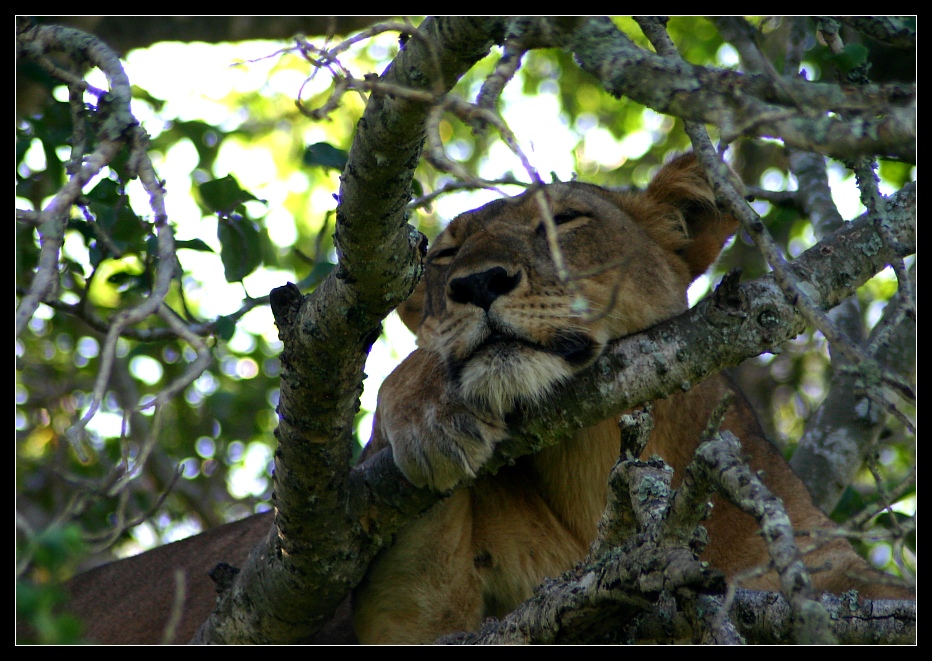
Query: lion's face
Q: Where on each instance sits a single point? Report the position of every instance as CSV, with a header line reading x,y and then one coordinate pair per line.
x,y
505,320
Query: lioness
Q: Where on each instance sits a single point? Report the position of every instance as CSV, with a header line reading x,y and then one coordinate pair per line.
x,y
497,328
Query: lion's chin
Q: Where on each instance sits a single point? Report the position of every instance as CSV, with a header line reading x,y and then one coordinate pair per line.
x,y
501,376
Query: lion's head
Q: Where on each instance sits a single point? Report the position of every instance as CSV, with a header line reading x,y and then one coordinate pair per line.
x,y
510,321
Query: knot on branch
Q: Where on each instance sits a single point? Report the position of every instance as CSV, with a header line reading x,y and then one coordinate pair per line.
x,y
285,302
636,427
728,301
223,575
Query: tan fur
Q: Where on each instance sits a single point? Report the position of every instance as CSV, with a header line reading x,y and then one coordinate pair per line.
x,y
497,329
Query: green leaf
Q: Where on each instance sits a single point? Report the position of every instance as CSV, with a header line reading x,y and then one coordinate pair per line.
x,y
116,217
326,156
194,244
96,255
850,502
224,195
225,328
83,227
106,191
131,282
239,247
143,95
316,276
56,545
851,56
129,232
205,138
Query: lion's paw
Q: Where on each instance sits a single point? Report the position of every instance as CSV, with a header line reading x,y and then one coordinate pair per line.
x,y
443,448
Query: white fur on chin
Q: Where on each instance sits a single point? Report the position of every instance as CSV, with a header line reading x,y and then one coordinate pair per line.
x,y
502,376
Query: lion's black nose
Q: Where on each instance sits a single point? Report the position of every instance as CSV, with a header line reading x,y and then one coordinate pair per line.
x,y
481,289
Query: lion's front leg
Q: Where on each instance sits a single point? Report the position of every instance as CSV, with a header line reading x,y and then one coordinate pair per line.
x,y
437,440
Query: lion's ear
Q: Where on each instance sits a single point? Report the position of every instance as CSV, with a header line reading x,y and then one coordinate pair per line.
x,y
412,310
682,185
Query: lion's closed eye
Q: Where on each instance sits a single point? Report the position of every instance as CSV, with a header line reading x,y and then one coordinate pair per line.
x,y
563,217
445,253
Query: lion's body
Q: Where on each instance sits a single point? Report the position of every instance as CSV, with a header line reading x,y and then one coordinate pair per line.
x,y
498,327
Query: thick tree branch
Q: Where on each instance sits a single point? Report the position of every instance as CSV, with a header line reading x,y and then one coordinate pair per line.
x,y
763,617
317,551
798,112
